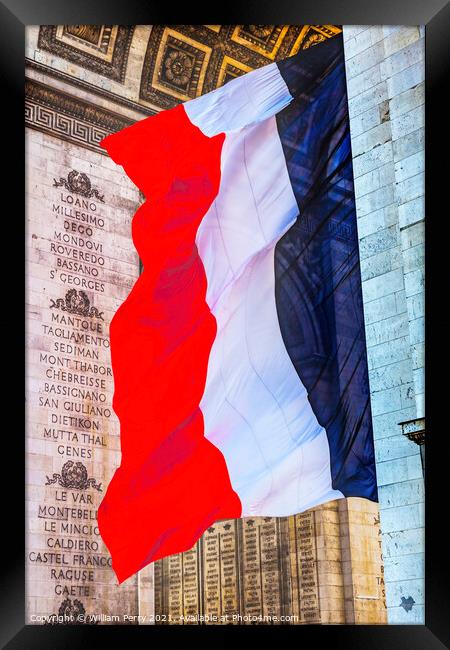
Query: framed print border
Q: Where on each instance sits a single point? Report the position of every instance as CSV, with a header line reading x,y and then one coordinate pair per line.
x,y
14,16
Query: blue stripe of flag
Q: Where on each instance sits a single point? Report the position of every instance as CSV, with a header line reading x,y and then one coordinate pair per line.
x,y
317,270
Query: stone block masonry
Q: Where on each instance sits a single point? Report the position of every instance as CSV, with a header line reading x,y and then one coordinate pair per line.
x,y
81,264
385,84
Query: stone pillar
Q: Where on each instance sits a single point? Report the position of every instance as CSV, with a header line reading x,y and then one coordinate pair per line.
x,y
385,84
81,264
330,563
362,563
146,595
303,568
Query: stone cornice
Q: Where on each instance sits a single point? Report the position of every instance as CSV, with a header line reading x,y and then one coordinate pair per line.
x,y
68,117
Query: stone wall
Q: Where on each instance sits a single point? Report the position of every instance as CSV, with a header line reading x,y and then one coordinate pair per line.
x,y
81,264
385,83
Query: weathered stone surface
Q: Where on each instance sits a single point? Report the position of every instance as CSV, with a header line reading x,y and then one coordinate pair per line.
x,y
294,567
389,187
77,277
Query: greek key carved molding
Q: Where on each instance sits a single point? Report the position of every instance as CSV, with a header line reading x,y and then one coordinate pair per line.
x,y
57,113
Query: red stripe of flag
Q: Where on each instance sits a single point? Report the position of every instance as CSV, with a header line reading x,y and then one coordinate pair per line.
x,y
172,482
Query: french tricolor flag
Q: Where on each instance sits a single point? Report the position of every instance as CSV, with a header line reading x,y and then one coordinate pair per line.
x,y
239,357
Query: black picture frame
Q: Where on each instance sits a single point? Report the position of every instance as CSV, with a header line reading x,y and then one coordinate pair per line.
x,y
14,16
